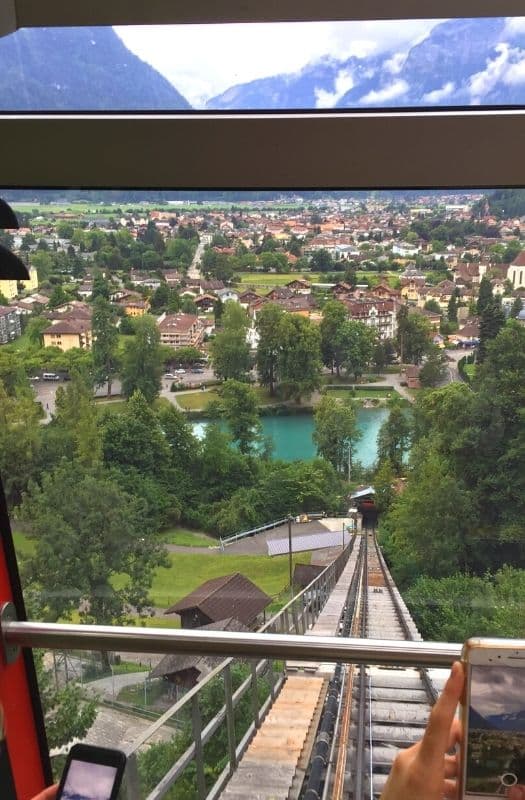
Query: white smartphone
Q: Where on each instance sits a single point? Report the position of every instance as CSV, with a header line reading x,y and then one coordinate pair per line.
x,y
493,719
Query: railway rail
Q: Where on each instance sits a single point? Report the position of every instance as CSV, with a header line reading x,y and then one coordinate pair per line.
x,y
390,705
364,714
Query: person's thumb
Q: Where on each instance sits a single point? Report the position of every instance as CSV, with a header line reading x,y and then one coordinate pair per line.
x,y
435,741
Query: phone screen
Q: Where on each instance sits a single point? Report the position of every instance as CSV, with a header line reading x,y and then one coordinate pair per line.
x,y
496,731
88,781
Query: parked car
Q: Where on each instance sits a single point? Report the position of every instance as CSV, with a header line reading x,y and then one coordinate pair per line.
x,y
180,372
197,370
169,375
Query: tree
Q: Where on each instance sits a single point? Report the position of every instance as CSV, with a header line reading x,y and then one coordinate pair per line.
x,y
322,261
332,351
105,341
35,327
238,406
230,351
485,295
218,310
20,441
413,336
68,713
142,362
268,327
134,438
75,411
160,297
394,437
299,359
434,369
517,306
100,286
87,532
336,432
357,342
491,322
384,486
187,356
452,308
58,297
433,305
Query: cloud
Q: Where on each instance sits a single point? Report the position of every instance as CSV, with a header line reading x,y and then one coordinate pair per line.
x,y
515,74
438,95
342,84
482,82
204,60
514,26
395,64
390,92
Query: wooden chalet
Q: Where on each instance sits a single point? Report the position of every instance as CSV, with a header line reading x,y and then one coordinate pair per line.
x,y
221,598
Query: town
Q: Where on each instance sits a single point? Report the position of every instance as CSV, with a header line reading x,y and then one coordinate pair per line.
x,y
202,401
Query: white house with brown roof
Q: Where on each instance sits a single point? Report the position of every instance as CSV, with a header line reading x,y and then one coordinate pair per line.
x,y
516,271
180,330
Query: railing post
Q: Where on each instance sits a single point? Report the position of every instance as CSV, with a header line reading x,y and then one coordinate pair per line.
x,y
230,719
131,785
255,696
196,724
286,621
295,618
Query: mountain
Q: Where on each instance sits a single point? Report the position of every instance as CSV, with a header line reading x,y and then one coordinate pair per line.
x,y
75,69
461,62
512,721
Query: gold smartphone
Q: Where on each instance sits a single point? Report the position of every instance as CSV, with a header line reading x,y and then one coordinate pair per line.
x,y
493,719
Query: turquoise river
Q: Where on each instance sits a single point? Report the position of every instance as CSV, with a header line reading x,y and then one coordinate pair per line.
x,y
292,435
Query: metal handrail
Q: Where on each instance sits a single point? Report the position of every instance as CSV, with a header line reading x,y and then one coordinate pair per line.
x,y
382,652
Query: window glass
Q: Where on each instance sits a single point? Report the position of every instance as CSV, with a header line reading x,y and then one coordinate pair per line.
x,y
190,380
458,62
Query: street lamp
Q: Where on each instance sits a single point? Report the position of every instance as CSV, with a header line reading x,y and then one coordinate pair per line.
x,y
290,565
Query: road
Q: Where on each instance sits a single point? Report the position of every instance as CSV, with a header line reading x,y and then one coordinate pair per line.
x,y
194,272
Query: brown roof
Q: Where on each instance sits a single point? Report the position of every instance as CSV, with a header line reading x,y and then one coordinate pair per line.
x,y
71,326
519,261
227,596
174,662
178,323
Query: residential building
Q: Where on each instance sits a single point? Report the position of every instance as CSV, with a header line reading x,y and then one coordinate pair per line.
x,y
9,289
230,596
134,304
9,324
31,284
68,333
516,271
378,314
180,330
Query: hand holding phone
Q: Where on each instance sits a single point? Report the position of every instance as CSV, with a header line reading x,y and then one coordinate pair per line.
x,y
493,716
91,773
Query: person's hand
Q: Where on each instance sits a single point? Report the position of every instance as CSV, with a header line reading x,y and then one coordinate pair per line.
x,y
517,793
425,770
48,794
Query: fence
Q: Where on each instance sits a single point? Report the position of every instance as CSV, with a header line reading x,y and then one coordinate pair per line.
x,y
312,515
296,617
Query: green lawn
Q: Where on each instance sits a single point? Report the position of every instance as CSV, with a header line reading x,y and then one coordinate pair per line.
x,y
24,546
187,571
196,401
269,279
186,538
110,406
363,391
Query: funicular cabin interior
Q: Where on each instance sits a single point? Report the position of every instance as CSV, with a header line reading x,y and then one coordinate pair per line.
x,y
433,148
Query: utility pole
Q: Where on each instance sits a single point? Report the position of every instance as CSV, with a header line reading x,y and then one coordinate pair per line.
x,y
290,563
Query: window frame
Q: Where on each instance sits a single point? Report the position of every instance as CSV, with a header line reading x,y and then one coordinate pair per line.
x,y
357,150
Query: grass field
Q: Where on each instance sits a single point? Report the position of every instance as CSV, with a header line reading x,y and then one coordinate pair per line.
x,y
187,571
198,401
269,279
186,538
362,392
23,545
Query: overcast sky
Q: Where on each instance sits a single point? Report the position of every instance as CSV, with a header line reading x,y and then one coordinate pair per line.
x,y
204,60
93,781
497,690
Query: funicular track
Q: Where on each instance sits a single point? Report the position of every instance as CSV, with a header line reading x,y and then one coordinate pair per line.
x,y
390,706
360,716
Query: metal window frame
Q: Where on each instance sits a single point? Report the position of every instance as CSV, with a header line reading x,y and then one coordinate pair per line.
x,y
28,13
397,149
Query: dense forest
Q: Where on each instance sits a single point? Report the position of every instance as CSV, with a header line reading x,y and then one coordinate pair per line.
x,y
454,537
